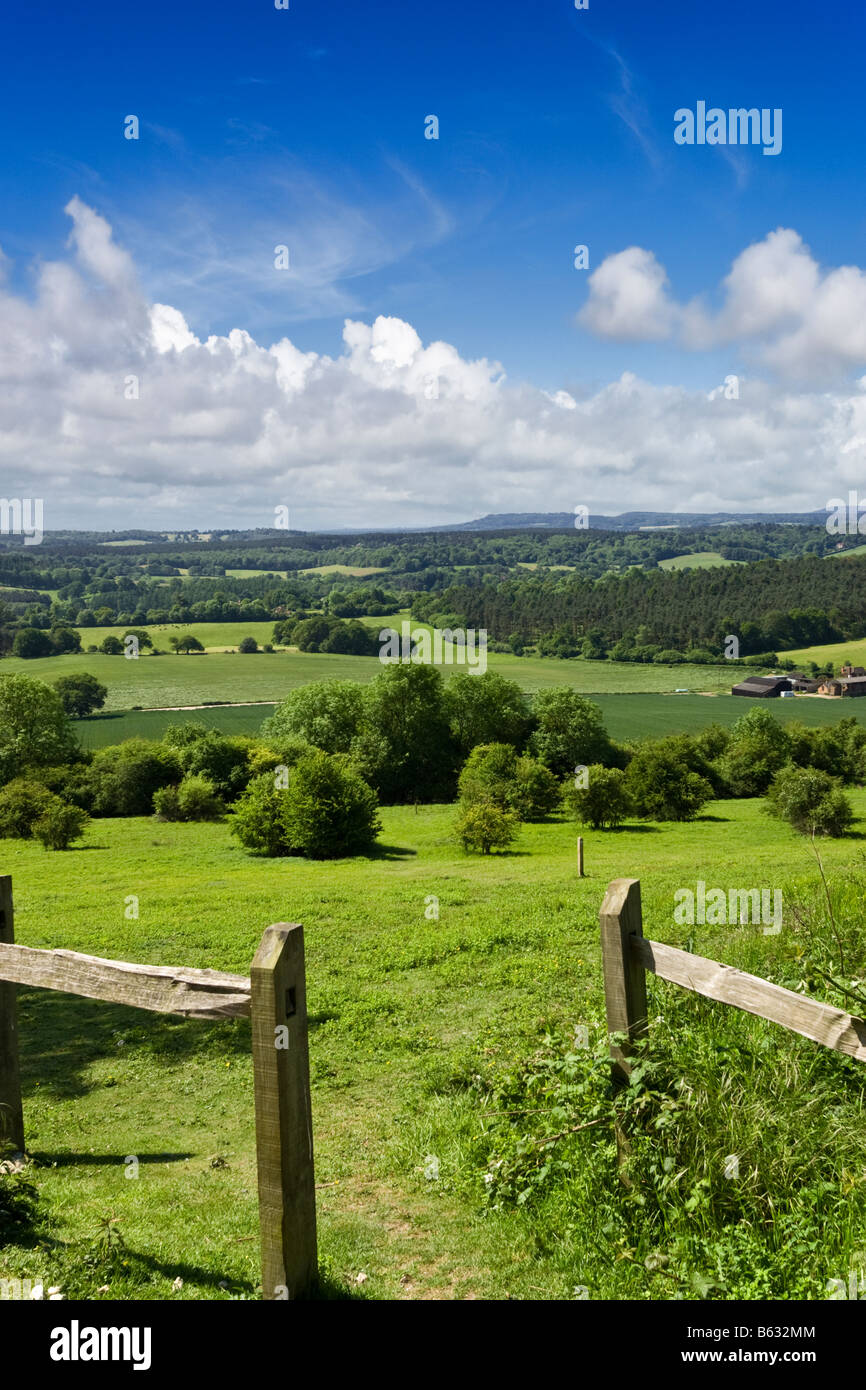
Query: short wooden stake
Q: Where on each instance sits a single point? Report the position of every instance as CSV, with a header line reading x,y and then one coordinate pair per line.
x,y
580,856
284,1125
11,1109
624,974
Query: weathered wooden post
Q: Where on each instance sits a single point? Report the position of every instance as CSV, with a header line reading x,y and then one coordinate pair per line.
x,y
11,1110
624,975
284,1124
580,856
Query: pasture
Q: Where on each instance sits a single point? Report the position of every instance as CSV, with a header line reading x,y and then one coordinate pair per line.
x,y
696,560
626,716
397,1003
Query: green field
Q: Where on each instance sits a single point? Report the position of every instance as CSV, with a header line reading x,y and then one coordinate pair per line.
x,y
837,652
395,1001
213,636
697,560
626,716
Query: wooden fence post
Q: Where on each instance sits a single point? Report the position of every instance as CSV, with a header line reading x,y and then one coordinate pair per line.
x,y
624,974
284,1125
11,1110
580,856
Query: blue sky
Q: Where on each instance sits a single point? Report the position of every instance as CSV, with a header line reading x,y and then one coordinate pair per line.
x,y
306,127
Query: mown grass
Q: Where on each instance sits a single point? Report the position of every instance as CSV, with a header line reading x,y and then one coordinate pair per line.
x,y
404,1010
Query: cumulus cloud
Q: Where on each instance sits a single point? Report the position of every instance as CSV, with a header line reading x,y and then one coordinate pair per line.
x,y
391,431
778,306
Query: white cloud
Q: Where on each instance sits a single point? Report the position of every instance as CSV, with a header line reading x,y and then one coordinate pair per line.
x,y
778,307
390,431
628,297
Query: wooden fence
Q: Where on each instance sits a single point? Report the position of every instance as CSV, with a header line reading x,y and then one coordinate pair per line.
x,y
274,998
627,955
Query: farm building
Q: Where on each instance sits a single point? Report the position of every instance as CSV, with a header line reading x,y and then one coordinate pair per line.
x,y
762,687
851,671
843,686
804,685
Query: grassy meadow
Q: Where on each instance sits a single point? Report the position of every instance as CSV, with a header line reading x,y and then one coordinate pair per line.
x,y
696,560
403,1009
170,679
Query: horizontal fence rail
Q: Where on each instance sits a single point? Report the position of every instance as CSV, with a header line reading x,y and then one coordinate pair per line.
x,y
274,998
822,1023
164,989
627,954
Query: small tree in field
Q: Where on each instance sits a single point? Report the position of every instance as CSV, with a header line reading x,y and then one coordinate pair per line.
x,y
603,803
248,644
185,643
60,824
483,826
81,694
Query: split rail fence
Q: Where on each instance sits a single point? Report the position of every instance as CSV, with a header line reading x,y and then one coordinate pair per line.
x,y
627,955
273,997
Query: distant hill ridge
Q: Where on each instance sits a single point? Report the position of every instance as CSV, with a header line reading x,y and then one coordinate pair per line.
x,y
632,521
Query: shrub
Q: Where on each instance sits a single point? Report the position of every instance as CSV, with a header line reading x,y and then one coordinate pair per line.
x,y
122,779
22,802
256,817
326,811
194,799
248,644
494,772
604,802
60,824
111,646
809,800
662,786
483,826
758,747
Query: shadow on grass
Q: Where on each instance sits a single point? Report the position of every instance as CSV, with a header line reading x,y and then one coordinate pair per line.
x,y
61,1034
378,851
70,1160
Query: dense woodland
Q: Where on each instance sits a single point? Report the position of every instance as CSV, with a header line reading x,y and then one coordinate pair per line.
x,y
566,593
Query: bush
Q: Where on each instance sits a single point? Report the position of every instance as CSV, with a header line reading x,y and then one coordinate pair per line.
x,y
122,779
663,787
604,802
326,810
494,772
483,826
22,803
60,824
809,800
194,799
758,747
248,644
